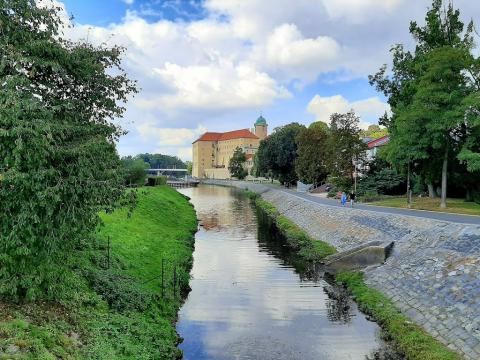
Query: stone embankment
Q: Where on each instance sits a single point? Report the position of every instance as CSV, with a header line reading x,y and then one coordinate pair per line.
x,y
432,275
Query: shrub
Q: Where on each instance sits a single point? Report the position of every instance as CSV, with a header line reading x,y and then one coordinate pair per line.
x,y
156,180
121,292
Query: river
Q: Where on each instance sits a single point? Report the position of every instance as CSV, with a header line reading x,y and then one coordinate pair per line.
x,y
251,299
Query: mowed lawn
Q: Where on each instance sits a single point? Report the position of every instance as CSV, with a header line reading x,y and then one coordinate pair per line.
x,y
458,206
160,227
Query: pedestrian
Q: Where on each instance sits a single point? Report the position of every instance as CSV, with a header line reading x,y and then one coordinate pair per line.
x,y
352,198
343,199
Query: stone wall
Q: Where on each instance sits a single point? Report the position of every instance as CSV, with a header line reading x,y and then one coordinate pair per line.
x,y
433,274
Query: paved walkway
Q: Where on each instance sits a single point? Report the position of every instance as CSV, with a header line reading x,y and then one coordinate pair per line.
x,y
441,216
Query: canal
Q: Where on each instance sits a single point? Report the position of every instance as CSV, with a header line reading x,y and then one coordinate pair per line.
x,y
251,299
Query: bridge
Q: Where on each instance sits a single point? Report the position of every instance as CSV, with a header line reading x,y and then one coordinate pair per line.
x,y
176,178
167,172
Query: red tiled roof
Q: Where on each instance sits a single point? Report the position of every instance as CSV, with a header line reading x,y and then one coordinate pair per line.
x,y
378,142
249,156
236,134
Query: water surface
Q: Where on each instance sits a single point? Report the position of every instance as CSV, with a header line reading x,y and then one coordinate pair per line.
x,y
251,299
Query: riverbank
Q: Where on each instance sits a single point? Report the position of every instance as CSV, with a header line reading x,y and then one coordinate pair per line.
x,y
120,310
432,275
298,240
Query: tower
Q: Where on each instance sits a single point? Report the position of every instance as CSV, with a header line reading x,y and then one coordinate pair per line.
x,y
261,128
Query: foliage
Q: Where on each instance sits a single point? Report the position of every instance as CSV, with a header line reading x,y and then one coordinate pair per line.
x,y
277,153
411,339
374,132
159,161
345,146
384,181
303,244
431,93
120,291
237,163
57,146
118,313
134,171
312,150
189,165
156,180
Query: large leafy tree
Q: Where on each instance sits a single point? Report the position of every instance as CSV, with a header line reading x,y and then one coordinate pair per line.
x,y
277,154
427,92
345,146
134,171
236,164
311,164
57,146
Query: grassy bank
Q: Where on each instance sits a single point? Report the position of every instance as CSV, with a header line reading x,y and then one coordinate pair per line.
x,y
411,339
117,312
458,206
303,244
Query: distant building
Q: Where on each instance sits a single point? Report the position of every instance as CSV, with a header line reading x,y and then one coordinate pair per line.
x,y
374,144
213,150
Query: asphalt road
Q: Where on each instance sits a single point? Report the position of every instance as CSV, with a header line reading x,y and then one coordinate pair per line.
x,y
455,218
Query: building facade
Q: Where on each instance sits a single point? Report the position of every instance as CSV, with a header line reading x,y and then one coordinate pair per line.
x,y
212,151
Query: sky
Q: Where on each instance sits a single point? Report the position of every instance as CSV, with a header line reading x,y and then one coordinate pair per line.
x,y
216,65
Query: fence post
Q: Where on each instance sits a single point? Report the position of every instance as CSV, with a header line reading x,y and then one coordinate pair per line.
x,y
108,253
163,270
174,281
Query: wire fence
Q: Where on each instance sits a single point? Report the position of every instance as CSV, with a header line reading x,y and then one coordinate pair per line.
x,y
169,276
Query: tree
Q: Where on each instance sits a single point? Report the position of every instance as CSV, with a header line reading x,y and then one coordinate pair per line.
x,y
236,164
160,161
189,165
134,171
345,146
311,164
277,154
57,146
426,93
374,131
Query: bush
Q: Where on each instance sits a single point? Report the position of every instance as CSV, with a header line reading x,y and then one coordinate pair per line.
x,y
121,292
156,180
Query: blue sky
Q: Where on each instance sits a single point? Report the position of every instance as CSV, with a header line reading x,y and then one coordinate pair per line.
x,y
217,64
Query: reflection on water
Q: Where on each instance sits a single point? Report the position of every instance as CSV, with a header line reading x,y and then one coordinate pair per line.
x,y
251,299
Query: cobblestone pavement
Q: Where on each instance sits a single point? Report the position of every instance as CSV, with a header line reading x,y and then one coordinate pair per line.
x,y
432,276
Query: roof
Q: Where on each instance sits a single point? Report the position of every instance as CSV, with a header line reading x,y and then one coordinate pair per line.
x,y
236,134
261,121
248,156
378,142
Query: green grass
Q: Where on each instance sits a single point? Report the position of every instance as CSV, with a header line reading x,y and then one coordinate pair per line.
x,y
411,339
458,206
117,313
303,244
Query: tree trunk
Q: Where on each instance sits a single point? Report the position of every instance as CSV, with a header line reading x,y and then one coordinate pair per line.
x,y
468,195
431,190
409,197
443,203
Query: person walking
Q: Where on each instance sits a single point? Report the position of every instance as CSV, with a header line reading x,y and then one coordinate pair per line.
x,y
343,199
352,198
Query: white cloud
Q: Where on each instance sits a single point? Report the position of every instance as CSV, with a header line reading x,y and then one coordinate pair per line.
x,y
289,53
169,136
369,110
244,55
128,2
359,11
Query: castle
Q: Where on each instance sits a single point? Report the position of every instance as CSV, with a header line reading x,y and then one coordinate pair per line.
x,y
212,151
